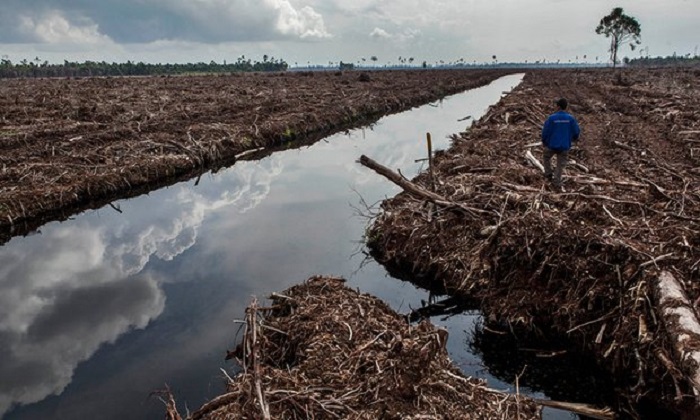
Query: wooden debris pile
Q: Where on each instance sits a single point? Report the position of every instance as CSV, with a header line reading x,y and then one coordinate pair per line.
x,y
323,350
581,262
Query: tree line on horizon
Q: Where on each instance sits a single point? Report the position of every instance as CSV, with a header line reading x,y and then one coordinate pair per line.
x,y
668,61
37,68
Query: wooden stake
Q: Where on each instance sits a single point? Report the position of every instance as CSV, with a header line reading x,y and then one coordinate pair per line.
x,y
430,161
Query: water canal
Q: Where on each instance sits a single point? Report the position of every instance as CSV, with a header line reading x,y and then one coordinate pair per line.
x,y
98,311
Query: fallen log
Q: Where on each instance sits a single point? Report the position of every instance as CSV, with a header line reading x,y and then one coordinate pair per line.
x,y
681,323
397,179
414,189
584,409
450,306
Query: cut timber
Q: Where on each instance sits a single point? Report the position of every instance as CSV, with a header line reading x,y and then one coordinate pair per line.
x,y
681,323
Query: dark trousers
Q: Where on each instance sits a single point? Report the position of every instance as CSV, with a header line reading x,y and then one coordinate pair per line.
x,y
562,159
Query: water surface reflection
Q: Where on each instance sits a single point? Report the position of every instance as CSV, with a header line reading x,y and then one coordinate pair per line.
x,y
98,311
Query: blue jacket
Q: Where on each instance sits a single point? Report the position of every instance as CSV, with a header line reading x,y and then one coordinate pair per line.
x,y
559,130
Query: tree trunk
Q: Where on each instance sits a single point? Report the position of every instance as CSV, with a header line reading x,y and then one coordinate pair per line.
x,y
681,323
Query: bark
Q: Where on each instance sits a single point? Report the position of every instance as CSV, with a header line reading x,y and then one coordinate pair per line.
x,y
681,322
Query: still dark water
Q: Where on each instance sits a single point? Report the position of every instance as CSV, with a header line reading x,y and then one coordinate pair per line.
x,y
98,311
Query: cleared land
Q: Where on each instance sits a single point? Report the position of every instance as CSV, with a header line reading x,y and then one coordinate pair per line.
x,y
610,264
71,144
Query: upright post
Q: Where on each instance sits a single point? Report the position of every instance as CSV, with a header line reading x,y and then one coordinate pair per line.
x,y
430,162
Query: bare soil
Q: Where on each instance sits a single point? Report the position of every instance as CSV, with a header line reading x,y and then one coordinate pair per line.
x,y
578,263
71,144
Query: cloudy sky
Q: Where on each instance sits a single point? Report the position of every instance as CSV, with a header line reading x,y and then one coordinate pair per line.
x,y
319,31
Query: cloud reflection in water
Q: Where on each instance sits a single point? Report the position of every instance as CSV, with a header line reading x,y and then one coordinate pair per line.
x,y
186,234
81,284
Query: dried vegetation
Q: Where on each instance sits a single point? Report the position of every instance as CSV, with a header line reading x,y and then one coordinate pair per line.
x,y
71,144
325,351
583,263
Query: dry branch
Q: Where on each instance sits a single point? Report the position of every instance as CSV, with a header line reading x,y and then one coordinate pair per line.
x,y
532,159
402,182
583,409
415,189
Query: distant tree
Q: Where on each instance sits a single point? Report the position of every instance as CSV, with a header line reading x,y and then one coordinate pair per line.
x,y
374,58
621,29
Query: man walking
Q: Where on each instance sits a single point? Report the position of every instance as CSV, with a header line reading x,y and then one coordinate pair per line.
x,y
560,129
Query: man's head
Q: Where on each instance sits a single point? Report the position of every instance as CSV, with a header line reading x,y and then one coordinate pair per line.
x,y
562,103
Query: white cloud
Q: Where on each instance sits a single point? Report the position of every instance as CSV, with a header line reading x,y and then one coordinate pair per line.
x,y
54,28
223,20
408,35
304,23
59,304
225,29
380,33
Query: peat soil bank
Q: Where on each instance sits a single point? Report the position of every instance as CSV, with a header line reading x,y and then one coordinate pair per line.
x,y
98,311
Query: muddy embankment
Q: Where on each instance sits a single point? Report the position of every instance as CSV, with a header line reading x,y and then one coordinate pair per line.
x,y
608,264
71,144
